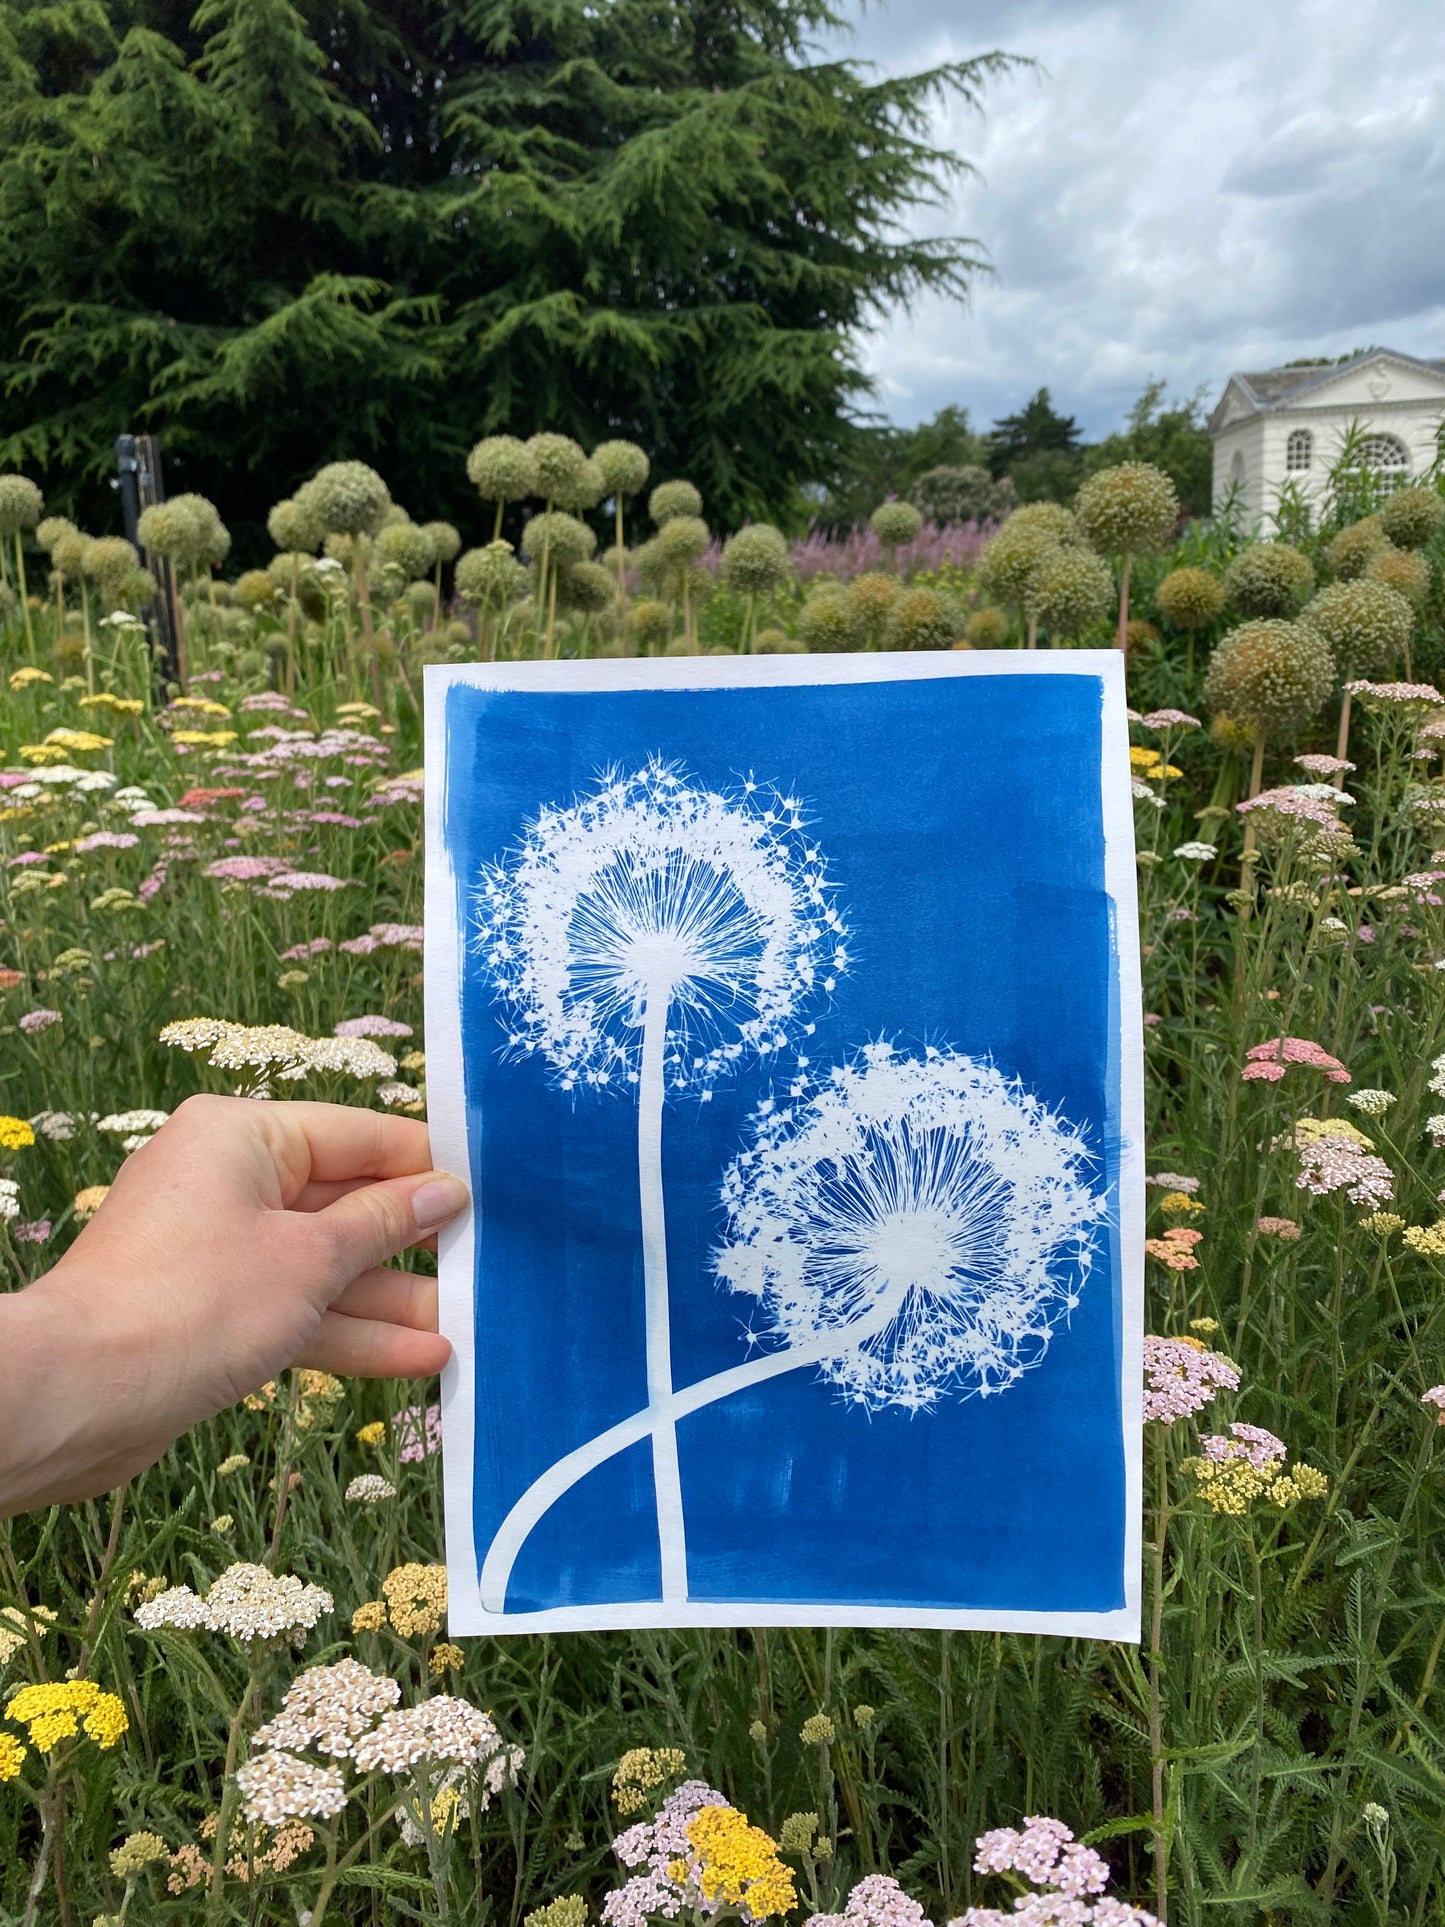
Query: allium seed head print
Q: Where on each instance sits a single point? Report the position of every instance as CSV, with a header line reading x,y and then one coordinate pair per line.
x,y
653,891
927,1211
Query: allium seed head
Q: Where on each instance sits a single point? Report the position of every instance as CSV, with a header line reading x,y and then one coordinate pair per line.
x,y
1268,579
1404,570
827,624
671,499
755,560
295,525
1189,598
1070,591
502,469
922,619
1366,624
1009,562
491,576
21,504
1273,677
558,463
623,465
349,497
446,541
895,524
1127,509
986,629
1353,549
1411,516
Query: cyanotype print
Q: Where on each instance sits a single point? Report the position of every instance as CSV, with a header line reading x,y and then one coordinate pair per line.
x,y
790,1075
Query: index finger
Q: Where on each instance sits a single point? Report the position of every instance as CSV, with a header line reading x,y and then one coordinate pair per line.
x,y
341,1143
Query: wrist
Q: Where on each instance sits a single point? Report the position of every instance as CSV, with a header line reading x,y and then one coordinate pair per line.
x,y
63,1379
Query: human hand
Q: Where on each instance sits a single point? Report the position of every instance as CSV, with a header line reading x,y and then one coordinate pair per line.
x,y
245,1237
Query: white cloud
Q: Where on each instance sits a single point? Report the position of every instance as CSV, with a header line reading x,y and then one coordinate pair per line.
x,y
1180,192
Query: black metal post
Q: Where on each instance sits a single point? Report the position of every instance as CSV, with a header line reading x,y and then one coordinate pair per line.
x,y
138,459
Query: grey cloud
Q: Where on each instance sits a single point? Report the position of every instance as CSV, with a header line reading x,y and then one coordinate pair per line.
x,y
1173,201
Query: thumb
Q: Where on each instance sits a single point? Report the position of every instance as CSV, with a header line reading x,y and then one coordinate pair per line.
x,y
375,1222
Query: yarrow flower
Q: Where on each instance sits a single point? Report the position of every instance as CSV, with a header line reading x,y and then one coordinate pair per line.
x,y
1173,1181
1196,852
416,1599
372,1026
276,1049
1330,1160
1182,1376
642,1769
1434,1399
418,1433
328,1708
1065,1873
276,1787
1174,1249
247,1601
1282,1228
1269,1061
1373,1103
1231,1473
66,1709
369,1488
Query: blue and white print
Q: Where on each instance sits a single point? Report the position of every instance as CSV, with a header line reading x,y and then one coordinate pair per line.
x,y
783,1017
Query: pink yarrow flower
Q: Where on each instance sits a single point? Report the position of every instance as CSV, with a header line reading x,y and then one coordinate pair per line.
x,y
106,840
1172,1181
1339,1164
418,1433
1269,1061
243,869
38,1020
1169,719
372,1026
294,880
1317,765
315,948
877,1901
1181,1377
1284,1228
1251,1442
1066,1875
1435,1399
1395,692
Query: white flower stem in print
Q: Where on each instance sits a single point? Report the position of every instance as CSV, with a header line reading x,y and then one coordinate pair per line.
x,y
918,1227
652,935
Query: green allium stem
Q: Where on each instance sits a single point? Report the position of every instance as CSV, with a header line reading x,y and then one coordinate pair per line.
x,y
1124,605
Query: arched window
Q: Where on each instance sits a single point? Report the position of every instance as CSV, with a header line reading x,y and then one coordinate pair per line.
x,y
1299,450
1385,459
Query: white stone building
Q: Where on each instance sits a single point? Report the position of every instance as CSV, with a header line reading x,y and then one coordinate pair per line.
x,y
1287,425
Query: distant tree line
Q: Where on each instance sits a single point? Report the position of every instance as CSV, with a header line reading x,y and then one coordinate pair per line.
x,y
955,473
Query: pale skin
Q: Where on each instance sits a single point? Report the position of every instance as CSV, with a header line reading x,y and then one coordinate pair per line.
x,y
244,1238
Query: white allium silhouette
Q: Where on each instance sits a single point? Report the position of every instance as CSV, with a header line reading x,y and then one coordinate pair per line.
x,y
650,891
927,1213
650,936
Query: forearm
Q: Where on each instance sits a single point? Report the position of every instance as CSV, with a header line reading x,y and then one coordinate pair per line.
x,y
73,1417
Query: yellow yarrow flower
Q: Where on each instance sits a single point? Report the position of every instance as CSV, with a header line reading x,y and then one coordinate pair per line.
x,y
25,678
12,1756
446,1658
201,738
15,1134
1426,1239
373,1433
739,1863
79,741
42,752
1179,1204
137,1852
416,1598
641,1769
202,705
369,1617
51,1712
118,705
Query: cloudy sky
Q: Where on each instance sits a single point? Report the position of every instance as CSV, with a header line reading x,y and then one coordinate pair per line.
x,y
1181,189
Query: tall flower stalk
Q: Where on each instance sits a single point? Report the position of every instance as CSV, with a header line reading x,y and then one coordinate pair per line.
x,y
650,936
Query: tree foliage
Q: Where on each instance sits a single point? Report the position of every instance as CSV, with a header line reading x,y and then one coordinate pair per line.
x,y
284,233
880,460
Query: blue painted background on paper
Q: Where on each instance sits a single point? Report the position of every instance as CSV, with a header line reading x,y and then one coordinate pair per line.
x,y
960,818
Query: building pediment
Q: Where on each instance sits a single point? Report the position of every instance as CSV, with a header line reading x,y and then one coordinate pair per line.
x,y
1235,405
1366,382
1379,378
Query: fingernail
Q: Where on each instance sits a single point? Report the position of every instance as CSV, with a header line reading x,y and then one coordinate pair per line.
x,y
437,1202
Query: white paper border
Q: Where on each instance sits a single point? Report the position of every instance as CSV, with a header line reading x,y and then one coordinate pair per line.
x,y
446,1112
